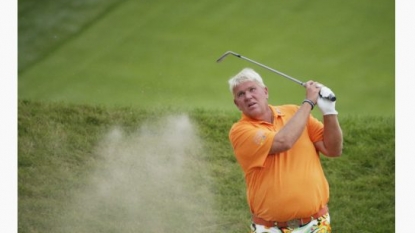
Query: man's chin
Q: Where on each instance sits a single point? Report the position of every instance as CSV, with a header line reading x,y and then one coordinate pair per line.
x,y
254,113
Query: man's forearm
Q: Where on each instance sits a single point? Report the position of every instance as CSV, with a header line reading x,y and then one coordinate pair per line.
x,y
333,135
290,133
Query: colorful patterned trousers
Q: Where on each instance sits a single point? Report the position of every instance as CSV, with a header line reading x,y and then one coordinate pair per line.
x,y
320,225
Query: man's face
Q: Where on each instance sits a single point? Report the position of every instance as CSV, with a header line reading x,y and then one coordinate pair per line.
x,y
251,99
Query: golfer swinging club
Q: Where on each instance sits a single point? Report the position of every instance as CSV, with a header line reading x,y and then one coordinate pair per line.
x,y
278,150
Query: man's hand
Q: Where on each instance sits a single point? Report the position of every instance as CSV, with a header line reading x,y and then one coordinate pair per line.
x,y
326,106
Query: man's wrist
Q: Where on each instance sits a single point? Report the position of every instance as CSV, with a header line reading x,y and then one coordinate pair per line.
x,y
309,102
332,112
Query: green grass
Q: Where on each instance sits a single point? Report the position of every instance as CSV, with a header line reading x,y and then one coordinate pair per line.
x,y
104,87
160,53
98,169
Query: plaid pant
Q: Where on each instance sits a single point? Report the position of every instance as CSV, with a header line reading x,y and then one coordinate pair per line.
x,y
320,225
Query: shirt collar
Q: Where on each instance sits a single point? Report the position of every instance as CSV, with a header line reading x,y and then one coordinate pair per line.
x,y
275,111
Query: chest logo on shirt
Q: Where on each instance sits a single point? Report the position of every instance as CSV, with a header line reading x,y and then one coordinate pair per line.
x,y
260,137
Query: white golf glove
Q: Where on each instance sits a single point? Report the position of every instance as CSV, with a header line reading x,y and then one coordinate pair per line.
x,y
326,106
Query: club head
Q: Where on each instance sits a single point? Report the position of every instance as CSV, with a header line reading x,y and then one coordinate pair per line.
x,y
226,54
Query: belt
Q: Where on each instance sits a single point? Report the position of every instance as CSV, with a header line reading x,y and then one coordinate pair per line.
x,y
294,223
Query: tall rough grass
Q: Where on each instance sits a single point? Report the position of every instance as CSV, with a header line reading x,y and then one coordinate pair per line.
x,y
96,169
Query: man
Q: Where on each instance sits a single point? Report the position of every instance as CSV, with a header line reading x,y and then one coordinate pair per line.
x,y
278,149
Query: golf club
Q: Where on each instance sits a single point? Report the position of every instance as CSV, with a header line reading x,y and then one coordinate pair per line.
x,y
331,97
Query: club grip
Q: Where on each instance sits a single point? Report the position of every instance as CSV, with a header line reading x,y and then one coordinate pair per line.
x,y
332,98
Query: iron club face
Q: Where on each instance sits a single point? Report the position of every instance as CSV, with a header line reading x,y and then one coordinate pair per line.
x,y
226,54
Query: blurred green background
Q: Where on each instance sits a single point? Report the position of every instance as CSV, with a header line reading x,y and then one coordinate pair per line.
x,y
153,54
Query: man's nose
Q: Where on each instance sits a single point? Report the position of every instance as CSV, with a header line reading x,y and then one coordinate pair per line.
x,y
248,95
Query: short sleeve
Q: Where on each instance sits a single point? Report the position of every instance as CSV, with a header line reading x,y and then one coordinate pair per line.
x,y
251,144
315,129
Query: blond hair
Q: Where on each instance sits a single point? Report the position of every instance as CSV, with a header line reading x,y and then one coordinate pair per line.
x,y
247,74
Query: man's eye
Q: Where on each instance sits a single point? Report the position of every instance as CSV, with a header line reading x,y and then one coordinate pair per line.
x,y
252,89
240,94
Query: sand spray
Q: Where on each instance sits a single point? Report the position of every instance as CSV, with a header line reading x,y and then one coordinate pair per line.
x,y
151,180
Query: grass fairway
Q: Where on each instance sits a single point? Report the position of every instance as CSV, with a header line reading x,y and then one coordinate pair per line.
x,y
162,53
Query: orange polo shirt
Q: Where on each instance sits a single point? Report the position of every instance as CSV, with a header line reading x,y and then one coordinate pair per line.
x,y
282,186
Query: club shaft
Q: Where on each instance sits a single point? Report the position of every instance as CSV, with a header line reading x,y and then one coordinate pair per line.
x,y
262,65
331,97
